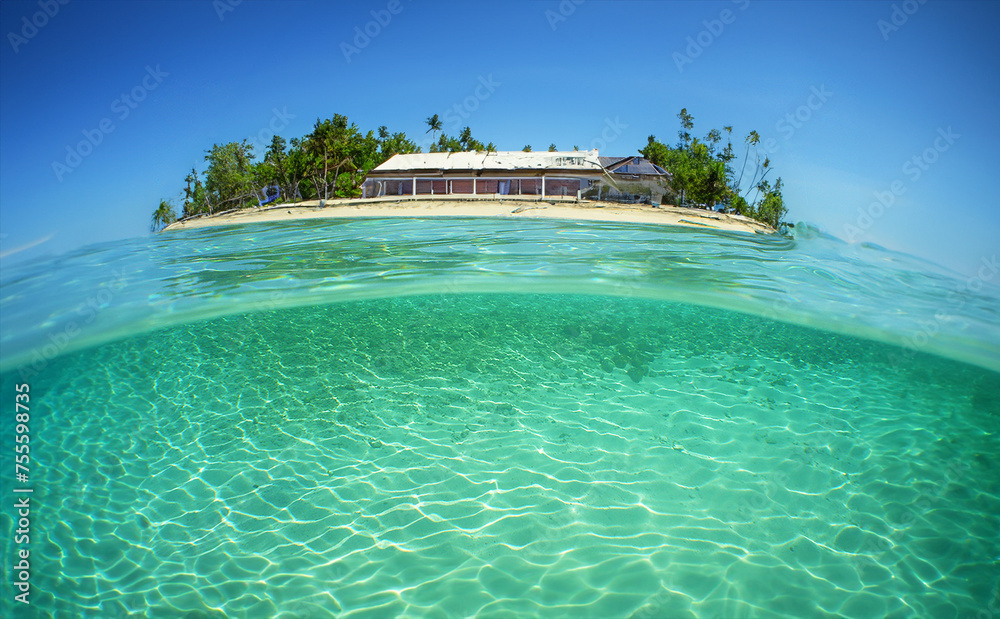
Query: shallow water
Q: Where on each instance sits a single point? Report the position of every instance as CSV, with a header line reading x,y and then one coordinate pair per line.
x,y
462,418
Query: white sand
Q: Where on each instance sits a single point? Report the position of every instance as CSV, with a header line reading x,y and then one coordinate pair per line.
x,y
468,206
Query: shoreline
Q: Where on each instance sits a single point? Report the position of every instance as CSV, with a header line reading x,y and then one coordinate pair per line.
x,y
468,206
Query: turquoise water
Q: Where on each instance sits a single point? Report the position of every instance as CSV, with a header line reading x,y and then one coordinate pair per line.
x,y
504,419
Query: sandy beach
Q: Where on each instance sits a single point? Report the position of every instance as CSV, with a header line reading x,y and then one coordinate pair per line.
x,y
552,208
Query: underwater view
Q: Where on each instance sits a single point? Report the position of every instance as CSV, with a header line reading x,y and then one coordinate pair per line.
x,y
497,418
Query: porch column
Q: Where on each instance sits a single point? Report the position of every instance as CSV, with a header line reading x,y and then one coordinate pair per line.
x,y
543,186
414,185
473,185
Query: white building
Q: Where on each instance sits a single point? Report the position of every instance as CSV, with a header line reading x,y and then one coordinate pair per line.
x,y
514,173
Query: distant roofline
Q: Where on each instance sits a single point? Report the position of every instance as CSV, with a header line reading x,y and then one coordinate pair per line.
x,y
483,161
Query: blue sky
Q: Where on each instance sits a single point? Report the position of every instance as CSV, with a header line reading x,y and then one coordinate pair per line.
x,y
855,101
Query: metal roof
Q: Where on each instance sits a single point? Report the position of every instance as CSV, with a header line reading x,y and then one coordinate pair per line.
x,y
584,160
643,167
608,161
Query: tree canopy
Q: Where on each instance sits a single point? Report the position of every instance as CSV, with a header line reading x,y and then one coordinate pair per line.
x,y
705,174
332,160
163,216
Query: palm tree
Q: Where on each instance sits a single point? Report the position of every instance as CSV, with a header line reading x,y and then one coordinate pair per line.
x,y
552,147
189,189
767,168
162,217
435,125
753,138
465,138
527,148
489,148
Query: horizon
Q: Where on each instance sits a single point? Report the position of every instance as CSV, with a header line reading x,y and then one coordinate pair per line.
x,y
888,140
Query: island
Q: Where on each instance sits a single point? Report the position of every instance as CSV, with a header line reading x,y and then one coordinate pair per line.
x,y
337,171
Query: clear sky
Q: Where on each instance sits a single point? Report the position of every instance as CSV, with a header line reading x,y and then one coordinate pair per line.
x,y
105,106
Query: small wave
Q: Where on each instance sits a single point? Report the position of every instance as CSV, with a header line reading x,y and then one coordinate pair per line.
x,y
115,290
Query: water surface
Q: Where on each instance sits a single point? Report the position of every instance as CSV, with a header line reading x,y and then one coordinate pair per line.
x,y
506,418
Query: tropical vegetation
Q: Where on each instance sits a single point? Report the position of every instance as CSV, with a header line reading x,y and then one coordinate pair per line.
x,y
329,162
704,172
333,159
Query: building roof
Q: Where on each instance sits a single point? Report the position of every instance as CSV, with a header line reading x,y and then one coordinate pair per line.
x,y
627,165
570,161
610,161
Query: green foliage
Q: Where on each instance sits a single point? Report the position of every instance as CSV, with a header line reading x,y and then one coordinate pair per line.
x,y
703,173
163,216
464,142
771,209
194,195
328,151
739,204
230,180
331,161
435,125
334,158
687,123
